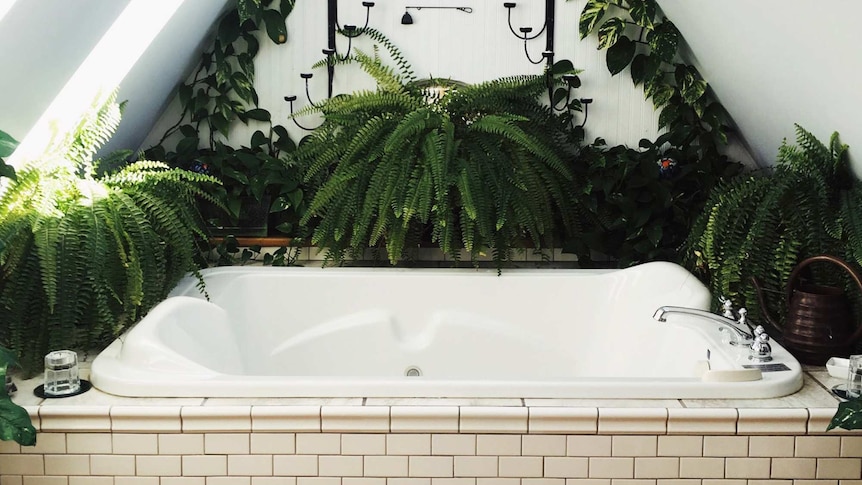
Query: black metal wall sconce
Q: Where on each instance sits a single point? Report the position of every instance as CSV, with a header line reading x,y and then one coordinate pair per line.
x,y
407,19
547,29
331,51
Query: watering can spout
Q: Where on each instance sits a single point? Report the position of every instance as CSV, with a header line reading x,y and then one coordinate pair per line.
x,y
776,328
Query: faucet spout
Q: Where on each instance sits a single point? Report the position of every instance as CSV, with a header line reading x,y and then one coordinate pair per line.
x,y
661,316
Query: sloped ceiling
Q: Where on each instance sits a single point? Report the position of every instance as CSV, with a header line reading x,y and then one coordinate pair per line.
x,y
42,44
773,63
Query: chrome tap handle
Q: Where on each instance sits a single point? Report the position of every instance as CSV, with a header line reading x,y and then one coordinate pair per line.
x,y
727,307
761,351
743,315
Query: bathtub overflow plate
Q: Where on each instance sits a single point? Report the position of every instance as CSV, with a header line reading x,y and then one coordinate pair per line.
x,y
413,371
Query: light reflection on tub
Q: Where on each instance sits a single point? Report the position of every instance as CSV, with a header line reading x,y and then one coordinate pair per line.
x,y
342,332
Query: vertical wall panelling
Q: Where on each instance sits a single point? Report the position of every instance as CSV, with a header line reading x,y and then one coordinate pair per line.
x,y
444,43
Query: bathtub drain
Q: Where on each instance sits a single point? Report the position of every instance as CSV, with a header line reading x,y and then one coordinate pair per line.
x,y
413,371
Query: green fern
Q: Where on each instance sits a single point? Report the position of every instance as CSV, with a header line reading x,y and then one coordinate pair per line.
x,y
761,226
481,168
86,256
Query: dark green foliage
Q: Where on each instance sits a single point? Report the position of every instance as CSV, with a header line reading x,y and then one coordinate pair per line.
x,y
480,168
763,224
220,95
7,146
635,35
86,255
637,215
15,424
848,416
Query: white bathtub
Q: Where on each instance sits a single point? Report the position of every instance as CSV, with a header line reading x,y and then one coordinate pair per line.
x,y
340,332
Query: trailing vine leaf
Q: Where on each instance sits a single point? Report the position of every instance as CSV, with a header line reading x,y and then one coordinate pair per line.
x,y
591,15
15,423
664,40
642,12
620,54
275,26
848,415
610,32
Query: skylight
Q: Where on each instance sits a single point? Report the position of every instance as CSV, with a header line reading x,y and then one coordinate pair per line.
x,y
101,72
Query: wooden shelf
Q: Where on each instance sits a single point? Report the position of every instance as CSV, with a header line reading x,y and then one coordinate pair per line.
x,y
264,241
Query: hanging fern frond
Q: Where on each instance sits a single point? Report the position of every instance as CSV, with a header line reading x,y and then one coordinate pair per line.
x,y
762,226
84,257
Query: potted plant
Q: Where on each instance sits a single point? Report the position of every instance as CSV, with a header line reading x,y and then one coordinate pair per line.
x,y
762,224
15,423
86,253
484,168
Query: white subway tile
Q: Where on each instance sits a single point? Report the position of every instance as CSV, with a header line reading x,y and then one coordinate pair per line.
x,y
818,446
135,444
424,419
521,466
701,421
249,465
385,466
181,444
476,466
87,443
216,419
771,446
339,466
634,446
654,467
482,419
318,444
46,443
363,444
587,446
840,468
158,465
725,446
680,446
543,445
430,466
146,419
294,465
498,445
354,418
632,420
747,468
563,420
612,467
54,465
566,467
273,443
408,444
453,444
794,468
285,418
696,467
204,465
227,443
75,418
110,465
772,421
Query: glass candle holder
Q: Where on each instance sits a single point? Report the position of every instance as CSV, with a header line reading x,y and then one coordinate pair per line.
x,y
61,373
854,377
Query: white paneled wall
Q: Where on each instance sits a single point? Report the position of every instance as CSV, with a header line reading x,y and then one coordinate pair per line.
x,y
444,43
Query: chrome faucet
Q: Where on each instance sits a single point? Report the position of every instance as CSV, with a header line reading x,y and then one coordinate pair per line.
x,y
725,322
757,341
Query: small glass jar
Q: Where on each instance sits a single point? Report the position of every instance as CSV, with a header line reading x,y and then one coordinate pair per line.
x,y
61,373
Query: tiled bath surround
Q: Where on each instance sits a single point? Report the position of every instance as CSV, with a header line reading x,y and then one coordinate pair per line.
x,y
97,439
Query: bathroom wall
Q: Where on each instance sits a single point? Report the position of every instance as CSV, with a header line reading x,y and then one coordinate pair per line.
x,y
450,44
150,444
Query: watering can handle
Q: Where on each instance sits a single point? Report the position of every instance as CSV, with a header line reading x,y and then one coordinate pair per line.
x,y
794,275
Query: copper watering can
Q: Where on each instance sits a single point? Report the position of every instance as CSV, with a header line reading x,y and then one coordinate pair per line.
x,y
819,324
